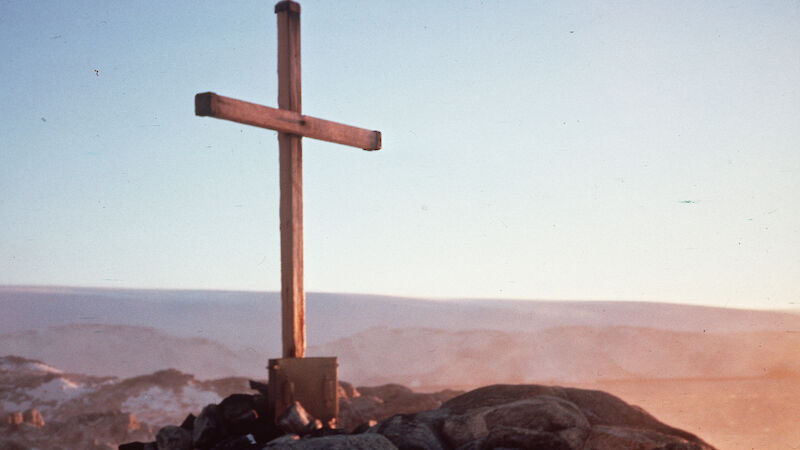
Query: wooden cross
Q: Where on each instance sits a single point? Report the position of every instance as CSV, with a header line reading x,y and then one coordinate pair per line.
x,y
291,125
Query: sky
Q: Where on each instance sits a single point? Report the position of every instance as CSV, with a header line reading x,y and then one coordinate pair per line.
x,y
643,151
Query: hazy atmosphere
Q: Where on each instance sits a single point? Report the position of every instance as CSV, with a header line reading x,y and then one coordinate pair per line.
x,y
631,169
563,150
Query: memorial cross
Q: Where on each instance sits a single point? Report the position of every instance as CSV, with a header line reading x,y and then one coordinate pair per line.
x,y
291,125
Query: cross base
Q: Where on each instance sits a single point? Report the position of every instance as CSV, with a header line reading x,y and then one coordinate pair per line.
x,y
311,381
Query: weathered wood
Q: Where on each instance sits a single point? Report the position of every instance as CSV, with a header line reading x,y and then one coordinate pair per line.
x,y
310,381
221,107
293,296
287,5
292,126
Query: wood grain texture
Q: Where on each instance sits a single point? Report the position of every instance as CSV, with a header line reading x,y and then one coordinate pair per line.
x,y
292,126
221,107
293,296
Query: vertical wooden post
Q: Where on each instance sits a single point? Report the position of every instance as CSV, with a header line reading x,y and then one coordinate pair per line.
x,y
293,298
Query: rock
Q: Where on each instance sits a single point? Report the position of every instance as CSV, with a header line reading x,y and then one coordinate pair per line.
x,y
605,437
360,409
128,422
243,423
208,427
537,417
262,388
286,439
347,390
188,422
238,411
381,402
131,446
514,437
497,394
460,430
236,443
500,416
261,405
602,408
15,419
369,441
434,418
33,417
296,420
406,432
387,392
543,413
174,438
680,446
326,431
235,405
555,417
364,427
138,446
249,414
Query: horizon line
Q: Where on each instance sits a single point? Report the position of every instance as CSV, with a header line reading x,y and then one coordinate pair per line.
x,y
455,299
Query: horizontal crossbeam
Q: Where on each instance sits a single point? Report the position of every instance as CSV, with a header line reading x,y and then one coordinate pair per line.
x,y
213,105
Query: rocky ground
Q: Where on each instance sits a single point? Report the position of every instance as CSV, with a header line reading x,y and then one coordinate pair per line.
x,y
492,417
49,409
45,408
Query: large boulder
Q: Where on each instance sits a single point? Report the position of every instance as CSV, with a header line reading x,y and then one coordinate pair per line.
x,y
608,437
533,416
174,438
407,432
339,442
382,402
238,411
525,422
209,427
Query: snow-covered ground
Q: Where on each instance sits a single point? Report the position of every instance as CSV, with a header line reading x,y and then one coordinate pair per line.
x,y
85,407
46,396
26,384
153,404
22,365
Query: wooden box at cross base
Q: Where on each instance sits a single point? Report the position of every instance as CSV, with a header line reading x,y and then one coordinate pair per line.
x,y
311,381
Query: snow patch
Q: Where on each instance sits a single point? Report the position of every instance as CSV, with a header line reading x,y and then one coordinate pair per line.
x,y
57,389
19,365
42,368
155,403
44,397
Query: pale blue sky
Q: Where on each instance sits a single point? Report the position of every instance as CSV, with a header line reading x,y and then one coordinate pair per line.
x,y
559,150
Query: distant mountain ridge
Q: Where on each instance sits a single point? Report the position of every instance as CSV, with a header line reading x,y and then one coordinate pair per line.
x,y
125,350
672,357
386,339
242,320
